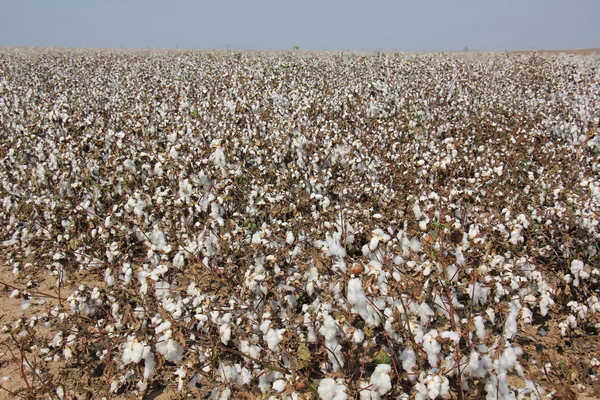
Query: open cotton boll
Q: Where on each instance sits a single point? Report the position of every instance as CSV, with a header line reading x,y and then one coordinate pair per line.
x,y
510,326
576,270
169,348
357,297
454,336
460,258
478,293
333,246
425,313
330,390
479,327
358,336
273,337
545,301
380,379
149,362
279,385
179,260
218,158
409,359
373,243
432,347
437,386
289,238
417,211
329,330
414,244
133,351
159,241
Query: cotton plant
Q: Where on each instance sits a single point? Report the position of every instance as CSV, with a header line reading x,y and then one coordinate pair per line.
x,y
234,230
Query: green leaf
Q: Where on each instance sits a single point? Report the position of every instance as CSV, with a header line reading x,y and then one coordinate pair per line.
x,y
382,357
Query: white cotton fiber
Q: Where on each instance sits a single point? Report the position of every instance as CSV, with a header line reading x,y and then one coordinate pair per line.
x,y
149,362
545,301
218,158
479,327
330,331
438,386
279,385
417,211
576,270
510,326
432,347
274,337
409,360
358,336
159,241
414,244
380,379
373,243
357,297
330,390
478,293
133,351
289,238
169,348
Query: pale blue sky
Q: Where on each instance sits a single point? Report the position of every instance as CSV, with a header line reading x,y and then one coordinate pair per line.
x,y
380,25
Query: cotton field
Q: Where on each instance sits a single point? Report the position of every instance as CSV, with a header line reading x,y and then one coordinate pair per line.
x,y
299,225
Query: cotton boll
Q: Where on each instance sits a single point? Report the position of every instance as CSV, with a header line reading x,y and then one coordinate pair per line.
x,y
365,392
159,241
576,270
478,293
491,314
225,331
358,336
452,272
460,258
169,348
108,278
330,390
526,315
149,362
479,327
179,260
133,351
329,330
274,337
432,347
225,394
380,379
425,313
289,238
357,297
510,326
417,211
218,158
437,386
373,243
415,244
409,359
279,385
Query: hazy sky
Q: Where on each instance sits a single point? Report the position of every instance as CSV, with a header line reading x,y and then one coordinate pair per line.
x,y
384,25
